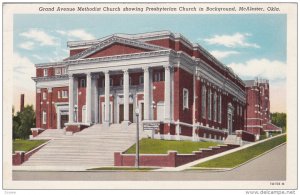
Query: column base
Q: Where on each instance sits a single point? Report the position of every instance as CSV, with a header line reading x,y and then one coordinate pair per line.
x,y
125,124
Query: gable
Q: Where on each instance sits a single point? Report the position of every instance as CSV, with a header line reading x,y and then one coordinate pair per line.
x,y
117,49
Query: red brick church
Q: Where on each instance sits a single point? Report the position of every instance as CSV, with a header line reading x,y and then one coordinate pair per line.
x,y
178,87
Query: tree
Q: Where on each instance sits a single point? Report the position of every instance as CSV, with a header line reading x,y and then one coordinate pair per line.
x,y
279,119
23,122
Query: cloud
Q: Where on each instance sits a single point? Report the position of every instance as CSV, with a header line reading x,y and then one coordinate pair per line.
x,y
223,54
28,45
40,37
76,34
265,68
23,70
235,40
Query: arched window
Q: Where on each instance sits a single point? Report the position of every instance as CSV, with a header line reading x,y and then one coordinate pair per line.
x,y
203,103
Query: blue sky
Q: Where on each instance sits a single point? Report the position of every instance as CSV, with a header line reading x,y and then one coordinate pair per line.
x,y
252,45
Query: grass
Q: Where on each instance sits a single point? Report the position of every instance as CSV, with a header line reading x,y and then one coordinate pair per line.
x,y
239,157
26,145
154,146
121,169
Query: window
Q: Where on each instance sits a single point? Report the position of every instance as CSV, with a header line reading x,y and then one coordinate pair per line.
x,y
58,94
130,81
44,117
203,105
209,104
185,99
64,94
156,77
241,110
141,79
45,72
121,81
220,108
82,83
215,107
44,95
64,70
57,71
111,82
238,110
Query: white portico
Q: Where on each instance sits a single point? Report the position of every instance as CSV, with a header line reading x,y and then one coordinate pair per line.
x,y
100,75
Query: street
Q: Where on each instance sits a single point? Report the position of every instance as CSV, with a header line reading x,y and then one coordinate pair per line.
x,y
269,167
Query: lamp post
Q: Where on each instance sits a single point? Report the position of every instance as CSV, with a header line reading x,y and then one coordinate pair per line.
x,y
137,112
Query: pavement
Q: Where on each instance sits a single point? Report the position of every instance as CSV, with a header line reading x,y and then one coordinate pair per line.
x,y
269,167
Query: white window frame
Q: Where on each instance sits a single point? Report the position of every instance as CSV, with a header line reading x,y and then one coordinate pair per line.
x,y
64,70
203,103
44,117
185,98
57,71
58,95
44,95
45,72
64,94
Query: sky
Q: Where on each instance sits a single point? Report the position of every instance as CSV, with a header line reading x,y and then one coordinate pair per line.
x,y
252,45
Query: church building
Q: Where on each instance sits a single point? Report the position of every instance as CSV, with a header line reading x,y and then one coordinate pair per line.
x,y
179,89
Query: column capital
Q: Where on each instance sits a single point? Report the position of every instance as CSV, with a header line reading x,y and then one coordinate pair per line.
x,y
71,76
146,69
38,90
88,74
168,67
125,71
49,89
106,71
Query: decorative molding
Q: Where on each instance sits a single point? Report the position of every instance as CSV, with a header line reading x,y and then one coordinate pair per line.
x,y
112,40
52,78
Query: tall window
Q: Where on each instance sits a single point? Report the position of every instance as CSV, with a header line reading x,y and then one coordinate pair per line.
x,y
241,110
141,79
220,108
209,104
121,81
57,71
58,94
64,70
185,99
45,72
82,83
238,110
64,94
44,96
111,82
156,77
203,104
215,107
44,117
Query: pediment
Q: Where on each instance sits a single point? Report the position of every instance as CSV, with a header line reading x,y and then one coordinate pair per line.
x,y
115,46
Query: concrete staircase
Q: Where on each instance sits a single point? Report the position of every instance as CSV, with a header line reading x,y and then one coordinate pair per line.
x,y
92,147
50,134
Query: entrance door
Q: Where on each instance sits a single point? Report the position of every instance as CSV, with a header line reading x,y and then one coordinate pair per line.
x,y
121,112
131,113
63,119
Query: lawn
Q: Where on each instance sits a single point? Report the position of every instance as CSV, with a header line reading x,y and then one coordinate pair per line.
x,y
154,146
239,157
26,145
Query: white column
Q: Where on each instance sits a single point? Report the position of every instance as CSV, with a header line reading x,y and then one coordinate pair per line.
x,y
146,94
71,98
88,98
96,100
106,101
167,93
126,95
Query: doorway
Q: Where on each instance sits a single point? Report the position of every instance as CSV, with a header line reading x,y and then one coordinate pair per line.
x,y
121,113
